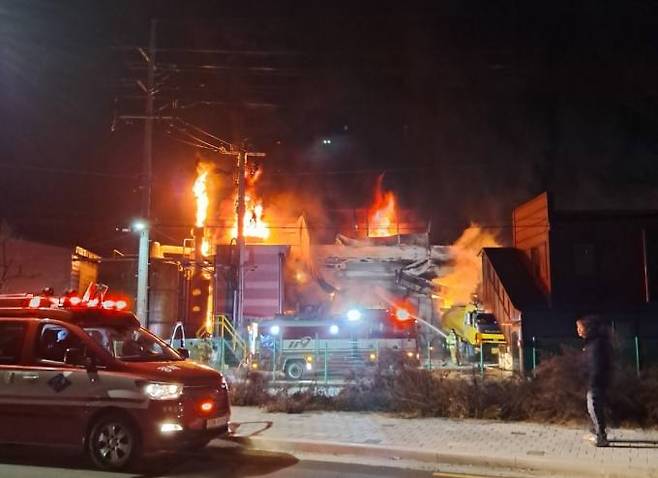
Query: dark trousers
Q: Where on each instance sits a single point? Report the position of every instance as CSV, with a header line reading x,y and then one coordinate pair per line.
x,y
596,399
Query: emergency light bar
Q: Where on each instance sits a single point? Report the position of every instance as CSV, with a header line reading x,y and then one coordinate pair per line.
x,y
94,297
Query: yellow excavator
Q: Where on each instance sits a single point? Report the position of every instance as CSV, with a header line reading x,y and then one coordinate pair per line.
x,y
474,327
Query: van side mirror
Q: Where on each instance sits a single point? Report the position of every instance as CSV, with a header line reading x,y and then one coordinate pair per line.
x,y
183,352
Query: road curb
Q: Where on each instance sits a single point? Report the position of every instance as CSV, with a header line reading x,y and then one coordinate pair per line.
x,y
582,468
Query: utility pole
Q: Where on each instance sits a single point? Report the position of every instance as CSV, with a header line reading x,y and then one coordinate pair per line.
x,y
242,169
238,313
143,258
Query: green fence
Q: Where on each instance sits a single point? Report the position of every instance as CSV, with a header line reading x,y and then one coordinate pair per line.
x,y
629,351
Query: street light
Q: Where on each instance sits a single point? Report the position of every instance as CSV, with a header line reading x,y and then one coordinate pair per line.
x,y
142,228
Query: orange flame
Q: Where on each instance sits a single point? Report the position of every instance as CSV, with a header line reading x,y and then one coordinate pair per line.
x,y
463,280
383,215
200,190
252,222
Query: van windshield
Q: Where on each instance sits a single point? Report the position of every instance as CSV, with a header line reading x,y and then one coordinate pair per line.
x,y
131,344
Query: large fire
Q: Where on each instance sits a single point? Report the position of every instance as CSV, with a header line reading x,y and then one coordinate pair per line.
x,y
461,282
253,223
200,190
383,215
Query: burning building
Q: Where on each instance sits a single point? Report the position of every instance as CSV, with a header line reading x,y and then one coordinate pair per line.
x,y
381,258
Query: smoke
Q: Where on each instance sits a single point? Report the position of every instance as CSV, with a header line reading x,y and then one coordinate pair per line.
x,y
465,274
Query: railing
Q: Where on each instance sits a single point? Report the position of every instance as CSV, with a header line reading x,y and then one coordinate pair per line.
x,y
323,361
229,337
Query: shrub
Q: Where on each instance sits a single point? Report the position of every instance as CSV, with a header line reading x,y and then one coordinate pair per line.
x,y
251,391
556,394
299,401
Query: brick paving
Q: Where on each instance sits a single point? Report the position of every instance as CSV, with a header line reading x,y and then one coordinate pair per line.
x,y
637,449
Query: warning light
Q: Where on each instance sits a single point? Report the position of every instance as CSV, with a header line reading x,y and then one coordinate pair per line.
x,y
35,302
207,406
121,304
75,301
353,315
402,314
108,304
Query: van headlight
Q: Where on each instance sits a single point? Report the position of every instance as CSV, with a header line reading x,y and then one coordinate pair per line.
x,y
163,391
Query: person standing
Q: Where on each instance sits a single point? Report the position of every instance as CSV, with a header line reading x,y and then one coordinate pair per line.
x,y
598,358
452,341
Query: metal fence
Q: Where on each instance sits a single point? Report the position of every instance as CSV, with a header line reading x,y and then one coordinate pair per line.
x,y
629,351
322,362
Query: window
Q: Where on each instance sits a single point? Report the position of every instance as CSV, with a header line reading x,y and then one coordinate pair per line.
x,y
54,340
11,342
131,344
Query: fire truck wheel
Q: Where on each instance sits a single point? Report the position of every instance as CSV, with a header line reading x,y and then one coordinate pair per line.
x,y
294,369
114,442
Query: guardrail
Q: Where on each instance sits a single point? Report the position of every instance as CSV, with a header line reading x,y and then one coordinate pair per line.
x,y
229,339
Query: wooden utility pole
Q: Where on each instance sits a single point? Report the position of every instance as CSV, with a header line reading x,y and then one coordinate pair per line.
x,y
240,240
143,259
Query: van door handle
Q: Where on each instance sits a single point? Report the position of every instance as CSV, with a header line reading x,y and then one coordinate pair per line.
x,y
30,377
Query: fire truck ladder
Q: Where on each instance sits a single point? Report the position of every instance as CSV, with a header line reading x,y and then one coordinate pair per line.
x,y
230,340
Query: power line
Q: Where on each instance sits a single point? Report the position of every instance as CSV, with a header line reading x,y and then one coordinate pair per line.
x,y
347,172
195,145
360,226
200,142
206,133
78,172
363,226
209,146
215,51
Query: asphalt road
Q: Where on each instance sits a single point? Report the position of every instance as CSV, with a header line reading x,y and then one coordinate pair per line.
x,y
24,462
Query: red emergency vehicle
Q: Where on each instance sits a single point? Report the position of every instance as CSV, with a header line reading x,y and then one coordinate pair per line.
x,y
82,373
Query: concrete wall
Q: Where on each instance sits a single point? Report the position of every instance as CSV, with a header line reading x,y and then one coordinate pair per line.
x,y
30,266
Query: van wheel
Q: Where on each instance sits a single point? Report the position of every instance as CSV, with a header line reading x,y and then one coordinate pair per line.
x,y
114,443
295,369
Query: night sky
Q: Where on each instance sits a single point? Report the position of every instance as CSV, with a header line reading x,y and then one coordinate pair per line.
x,y
470,107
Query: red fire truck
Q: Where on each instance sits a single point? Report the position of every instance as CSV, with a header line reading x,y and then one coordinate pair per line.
x,y
299,348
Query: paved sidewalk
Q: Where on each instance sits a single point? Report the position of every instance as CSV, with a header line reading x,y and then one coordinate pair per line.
x,y
470,442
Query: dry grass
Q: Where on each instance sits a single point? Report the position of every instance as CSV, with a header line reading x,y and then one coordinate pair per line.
x,y
555,395
252,390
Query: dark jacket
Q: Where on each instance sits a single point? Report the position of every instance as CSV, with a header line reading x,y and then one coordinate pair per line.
x,y
598,354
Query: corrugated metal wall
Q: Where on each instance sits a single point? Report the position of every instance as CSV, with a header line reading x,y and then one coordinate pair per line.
x,y
531,227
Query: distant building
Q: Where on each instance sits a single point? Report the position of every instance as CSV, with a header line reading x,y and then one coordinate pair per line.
x,y
28,266
567,263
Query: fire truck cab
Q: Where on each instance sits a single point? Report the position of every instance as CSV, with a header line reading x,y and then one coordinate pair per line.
x,y
83,374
